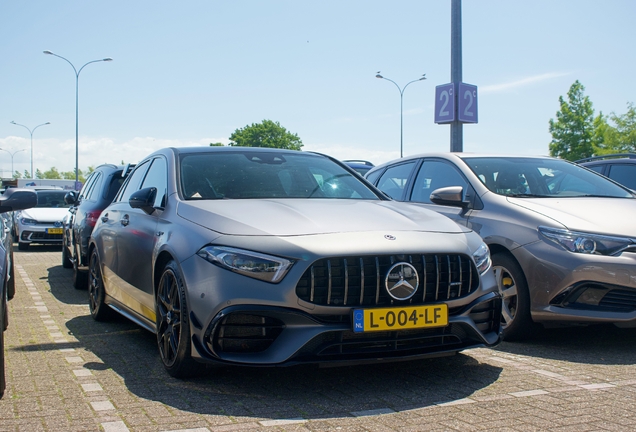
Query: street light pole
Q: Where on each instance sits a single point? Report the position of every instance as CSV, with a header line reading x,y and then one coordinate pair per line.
x,y
31,132
12,154
77,73
401,90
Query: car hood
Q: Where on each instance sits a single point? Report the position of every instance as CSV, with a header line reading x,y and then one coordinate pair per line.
x,y
292,217
598,215
45,214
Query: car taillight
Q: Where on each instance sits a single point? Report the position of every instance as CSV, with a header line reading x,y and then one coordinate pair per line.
x,y
91,218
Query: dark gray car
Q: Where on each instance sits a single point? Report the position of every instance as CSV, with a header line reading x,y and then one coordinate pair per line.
x,y
562,238
270,257
13,199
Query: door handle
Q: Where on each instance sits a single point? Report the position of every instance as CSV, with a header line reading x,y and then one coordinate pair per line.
x,y
125,220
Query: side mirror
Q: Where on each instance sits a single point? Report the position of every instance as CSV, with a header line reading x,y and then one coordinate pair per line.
x,y
70,198
449,196
144,199
17,199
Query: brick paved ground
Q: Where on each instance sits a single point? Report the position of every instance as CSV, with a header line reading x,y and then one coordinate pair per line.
x,y
66,372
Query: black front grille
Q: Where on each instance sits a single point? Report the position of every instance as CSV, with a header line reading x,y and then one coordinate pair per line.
x,y
359,281
245,333
41,235
620,300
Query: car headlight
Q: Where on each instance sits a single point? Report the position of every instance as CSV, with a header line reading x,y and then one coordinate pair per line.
x,y
482,258
267,268
27,221
586,243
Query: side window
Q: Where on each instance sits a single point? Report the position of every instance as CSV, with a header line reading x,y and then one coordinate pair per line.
x,y
434,175
87,186
134,180
372,177
395,178
93,192
115,184
624,174
597,168
157,177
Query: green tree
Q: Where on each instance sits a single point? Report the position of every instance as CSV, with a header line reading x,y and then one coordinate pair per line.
x,y
266,134
52,173
217,144
17,175
27,174
573,130
38,173
621,136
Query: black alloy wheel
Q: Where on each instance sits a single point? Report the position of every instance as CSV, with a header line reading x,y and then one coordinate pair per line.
x,y
96,292
173,325
516,321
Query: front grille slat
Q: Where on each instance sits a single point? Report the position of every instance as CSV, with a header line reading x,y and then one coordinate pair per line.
x,y
361,280
335,281
436,278
329,281
377,279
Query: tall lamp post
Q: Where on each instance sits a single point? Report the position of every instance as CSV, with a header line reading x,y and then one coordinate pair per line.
x,y
31,132
401,90
77,73
12,154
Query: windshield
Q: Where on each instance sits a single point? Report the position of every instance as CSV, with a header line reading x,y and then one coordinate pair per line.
x,y
541,177
245,175
53,198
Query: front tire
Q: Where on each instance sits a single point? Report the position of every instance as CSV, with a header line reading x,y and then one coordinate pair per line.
x,y
3,383
516,320
11,281
96,292
80,278
66,260
173,325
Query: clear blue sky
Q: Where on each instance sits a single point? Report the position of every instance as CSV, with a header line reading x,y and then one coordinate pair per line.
x,y
192,72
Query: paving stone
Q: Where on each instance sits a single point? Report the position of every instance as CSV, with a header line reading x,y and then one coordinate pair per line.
x,y
66,372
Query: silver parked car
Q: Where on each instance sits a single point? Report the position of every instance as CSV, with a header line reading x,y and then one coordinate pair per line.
x,y
269,257
562,238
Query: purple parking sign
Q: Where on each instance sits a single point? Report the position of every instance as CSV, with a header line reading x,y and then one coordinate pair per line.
x,y
467,103
445,103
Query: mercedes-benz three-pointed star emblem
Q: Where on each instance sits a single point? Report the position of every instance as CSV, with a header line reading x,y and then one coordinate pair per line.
x,y
401,281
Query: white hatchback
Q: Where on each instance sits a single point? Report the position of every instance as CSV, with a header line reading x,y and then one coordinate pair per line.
x,y
43,223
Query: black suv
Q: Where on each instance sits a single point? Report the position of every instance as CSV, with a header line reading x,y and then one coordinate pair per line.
x,y
619,167
99,190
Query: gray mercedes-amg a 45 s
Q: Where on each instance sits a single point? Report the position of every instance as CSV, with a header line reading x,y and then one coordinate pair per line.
x,y
251,256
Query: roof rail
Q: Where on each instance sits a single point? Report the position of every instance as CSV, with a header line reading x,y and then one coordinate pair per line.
x,y
608,156
360,161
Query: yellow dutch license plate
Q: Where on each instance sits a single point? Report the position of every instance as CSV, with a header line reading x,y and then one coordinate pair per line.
x,y
55,231
400,318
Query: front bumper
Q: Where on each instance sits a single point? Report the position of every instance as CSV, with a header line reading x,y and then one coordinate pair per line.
x,y
36,234
579,289
277,336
